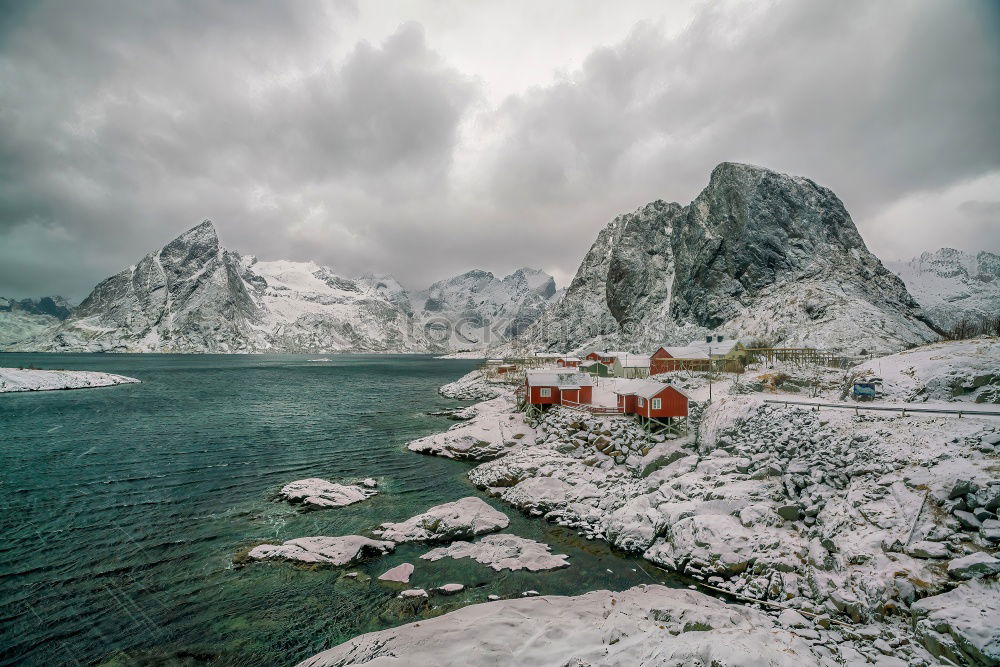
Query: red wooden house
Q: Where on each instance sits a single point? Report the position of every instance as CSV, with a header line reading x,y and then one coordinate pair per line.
x,y
652,400
668,359
606,358
568,362
543,388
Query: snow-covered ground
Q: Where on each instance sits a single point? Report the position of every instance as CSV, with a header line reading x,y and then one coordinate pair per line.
x,y
962,370
19,379
841,526
645,625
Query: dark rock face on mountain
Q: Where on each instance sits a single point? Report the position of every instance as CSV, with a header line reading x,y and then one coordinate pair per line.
x,y
21,319
50,306
952,285
195,296
756,254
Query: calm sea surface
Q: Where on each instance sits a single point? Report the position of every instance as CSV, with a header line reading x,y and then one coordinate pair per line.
x,y
122,509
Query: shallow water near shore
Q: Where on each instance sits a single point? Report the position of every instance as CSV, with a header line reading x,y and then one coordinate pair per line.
x,y
123,509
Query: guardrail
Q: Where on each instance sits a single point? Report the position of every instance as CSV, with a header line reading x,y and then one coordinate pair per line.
x,y
886,408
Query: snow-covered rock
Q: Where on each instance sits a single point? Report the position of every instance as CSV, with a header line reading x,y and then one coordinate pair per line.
x,y
643,626
343,550
450,589
961,625
974,566
460,519
321,493
413,593
503,552
399,574
20,379
952,285
492,431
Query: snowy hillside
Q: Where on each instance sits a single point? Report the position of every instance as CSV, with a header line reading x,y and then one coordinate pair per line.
x,y
965,370
25,318
952,285
193,295
756,254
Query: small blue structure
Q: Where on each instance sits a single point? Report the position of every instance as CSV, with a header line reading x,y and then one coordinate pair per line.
x,y
864,391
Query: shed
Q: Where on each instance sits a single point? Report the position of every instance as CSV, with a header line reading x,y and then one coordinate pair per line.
x,y
652,400
596,368
628,365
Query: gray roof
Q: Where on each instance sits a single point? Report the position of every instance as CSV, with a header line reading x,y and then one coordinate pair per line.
x,y
563,380
646,388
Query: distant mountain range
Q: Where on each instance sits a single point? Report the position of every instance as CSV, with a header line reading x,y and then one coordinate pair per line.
x,y
953,285
757,255
193,295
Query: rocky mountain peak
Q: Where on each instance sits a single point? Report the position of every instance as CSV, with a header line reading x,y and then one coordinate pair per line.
x,y
758,252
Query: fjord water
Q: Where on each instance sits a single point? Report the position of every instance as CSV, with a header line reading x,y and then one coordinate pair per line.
x,y
123,509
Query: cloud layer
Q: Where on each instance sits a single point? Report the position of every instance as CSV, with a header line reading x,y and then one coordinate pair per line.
x,y
122,124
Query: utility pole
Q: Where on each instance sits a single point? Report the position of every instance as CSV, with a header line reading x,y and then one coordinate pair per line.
x,y
709,373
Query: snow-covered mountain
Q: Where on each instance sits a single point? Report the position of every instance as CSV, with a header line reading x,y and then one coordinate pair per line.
x,y
952,285
478,310
193,295
24,318
757,254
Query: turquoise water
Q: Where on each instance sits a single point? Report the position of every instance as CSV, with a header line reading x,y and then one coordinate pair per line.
x,y
122,509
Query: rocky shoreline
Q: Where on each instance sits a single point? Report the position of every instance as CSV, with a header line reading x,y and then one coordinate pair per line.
x,y
869,539
32,379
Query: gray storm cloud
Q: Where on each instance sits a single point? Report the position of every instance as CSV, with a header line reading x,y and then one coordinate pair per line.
x,y
122,124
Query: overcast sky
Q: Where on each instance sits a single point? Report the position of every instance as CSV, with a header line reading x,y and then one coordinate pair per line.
x,y
425,138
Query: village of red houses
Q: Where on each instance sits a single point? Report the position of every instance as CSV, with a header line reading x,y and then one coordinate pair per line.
x,y
611,382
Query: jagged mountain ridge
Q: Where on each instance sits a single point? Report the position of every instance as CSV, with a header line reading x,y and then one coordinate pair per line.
x,y
193,295
952,285
757,254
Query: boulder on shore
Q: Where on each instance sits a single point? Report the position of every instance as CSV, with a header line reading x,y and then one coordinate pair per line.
x,y
331,550
461,519
321,493
503,552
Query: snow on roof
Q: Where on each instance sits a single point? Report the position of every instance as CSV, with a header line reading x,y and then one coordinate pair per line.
x,y
571,359
688,352
588,364
645,388
725,347
553,378
633,360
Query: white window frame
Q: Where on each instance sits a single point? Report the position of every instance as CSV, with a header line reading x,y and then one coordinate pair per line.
x,y
642,402
544,392
657,404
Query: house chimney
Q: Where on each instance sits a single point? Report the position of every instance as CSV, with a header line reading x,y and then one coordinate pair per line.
x,y
708,339
718,339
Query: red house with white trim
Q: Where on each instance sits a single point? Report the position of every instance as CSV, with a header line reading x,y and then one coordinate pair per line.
x,y
568,362
652,400
558,388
